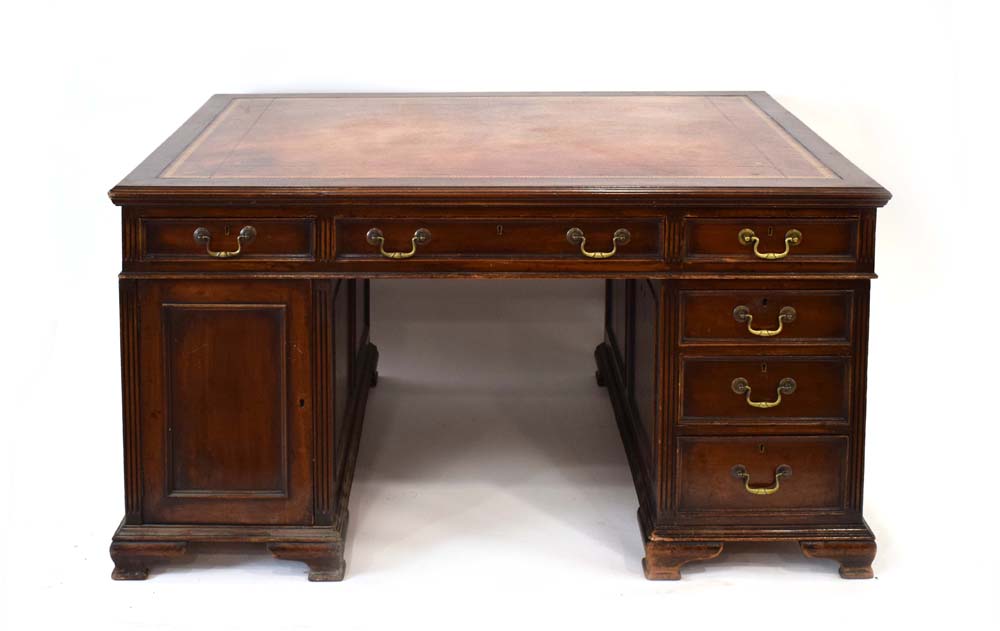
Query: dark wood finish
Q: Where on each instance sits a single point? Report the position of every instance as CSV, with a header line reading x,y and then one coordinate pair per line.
x,y
821,316
276,239
665,528
132,559
137,545
131,390
628,427
245,378
499,237
855,557
343,352
645,366
688,495
617,317
705,483
821,393
465,239
825,243
664,559
325,560
238,428
227,407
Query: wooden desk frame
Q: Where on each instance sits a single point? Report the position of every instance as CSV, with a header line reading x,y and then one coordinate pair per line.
x,y
258,443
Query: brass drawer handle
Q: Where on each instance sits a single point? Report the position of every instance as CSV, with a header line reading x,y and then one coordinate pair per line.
x,y
246,236
748,237
786,314
785,387
576,237
420,237
740,471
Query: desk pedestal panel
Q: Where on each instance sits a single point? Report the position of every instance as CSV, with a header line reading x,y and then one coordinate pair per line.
x,y
243,402
767,444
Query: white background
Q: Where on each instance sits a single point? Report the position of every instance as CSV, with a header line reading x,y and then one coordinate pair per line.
x,y
469,509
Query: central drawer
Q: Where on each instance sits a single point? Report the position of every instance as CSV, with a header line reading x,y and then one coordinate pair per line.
x,y
420,239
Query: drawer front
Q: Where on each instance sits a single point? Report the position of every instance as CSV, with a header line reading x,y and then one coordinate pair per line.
x,y
229,239
771,243
766,317
766,389
784,473
499,238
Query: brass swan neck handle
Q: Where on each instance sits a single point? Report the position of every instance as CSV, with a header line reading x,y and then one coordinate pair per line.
x,y
621,237
246,236
742,314
747,236
785,387
740,472
420,237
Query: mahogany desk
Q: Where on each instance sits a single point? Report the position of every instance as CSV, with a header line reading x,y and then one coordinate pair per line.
x,y
738,248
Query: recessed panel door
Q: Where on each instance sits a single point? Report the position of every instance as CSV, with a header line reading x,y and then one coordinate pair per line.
x,y
227,410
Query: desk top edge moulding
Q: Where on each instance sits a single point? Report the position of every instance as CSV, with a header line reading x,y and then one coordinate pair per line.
x,y
673,144
736,247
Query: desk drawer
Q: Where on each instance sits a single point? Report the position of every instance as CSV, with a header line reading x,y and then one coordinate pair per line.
x,y
762,474
771,243
761,316
421,239
227,239
764,389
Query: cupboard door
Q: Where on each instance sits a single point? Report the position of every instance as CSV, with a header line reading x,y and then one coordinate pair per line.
x,y
227,408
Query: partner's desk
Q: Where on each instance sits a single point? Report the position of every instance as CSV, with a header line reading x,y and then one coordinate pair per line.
x,y
738,245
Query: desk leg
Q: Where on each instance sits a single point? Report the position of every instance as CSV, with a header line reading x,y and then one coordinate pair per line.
x,y
132,559
855,557
664,558
325,560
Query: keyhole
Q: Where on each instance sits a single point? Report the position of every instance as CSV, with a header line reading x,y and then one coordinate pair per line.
x,y
499,230
302,403
763,366
227,230
761,448
770,231
763,302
